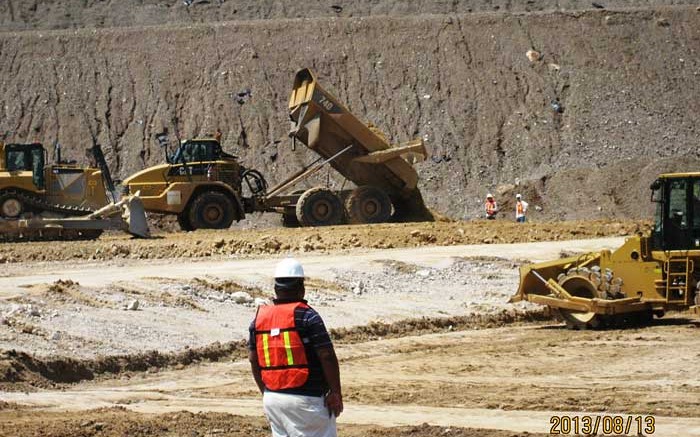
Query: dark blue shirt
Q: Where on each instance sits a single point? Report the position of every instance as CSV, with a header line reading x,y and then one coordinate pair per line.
x,y
315,336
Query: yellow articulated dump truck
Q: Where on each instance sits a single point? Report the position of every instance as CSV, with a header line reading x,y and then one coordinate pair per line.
x,y
204,186
645,277
60,201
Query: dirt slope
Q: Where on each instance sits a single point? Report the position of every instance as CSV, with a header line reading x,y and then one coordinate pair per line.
x,y
62,14
626,81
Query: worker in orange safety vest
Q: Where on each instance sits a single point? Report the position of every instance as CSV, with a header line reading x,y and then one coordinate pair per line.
x,y
520,208
293,361
491,207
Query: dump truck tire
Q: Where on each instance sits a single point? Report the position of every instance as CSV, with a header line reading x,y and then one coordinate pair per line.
x,y
184,221
579,283
319,207
211,210
289,218
368,204
290,221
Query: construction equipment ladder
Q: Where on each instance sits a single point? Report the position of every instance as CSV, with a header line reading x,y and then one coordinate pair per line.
x,y
678,272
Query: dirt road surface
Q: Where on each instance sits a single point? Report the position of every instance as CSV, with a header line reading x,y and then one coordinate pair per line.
x,y
507,378
17,279
496,375
79,311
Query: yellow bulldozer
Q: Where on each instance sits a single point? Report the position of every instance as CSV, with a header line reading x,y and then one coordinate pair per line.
x,y
647,276
61,200
204,186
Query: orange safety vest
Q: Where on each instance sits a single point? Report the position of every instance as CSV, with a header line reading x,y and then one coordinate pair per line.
x,y
519,208
280,350
490,207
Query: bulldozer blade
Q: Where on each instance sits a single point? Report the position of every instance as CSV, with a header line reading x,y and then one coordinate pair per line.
x,y
135,217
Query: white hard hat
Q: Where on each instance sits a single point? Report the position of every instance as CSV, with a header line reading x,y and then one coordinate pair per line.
x,y
518,196
489,195
289,268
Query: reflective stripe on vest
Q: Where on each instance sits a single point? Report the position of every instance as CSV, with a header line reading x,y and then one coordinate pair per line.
x,y
490,206
519,208
280,350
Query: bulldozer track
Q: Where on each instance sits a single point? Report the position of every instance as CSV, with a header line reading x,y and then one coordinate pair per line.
x,y
37,204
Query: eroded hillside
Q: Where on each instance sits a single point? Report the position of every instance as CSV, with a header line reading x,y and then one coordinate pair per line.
x,y
612,101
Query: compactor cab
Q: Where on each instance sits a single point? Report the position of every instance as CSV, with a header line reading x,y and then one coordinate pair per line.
x,y
677,221
646,276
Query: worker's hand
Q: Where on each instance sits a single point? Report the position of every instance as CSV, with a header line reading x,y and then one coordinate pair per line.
x,y
334,403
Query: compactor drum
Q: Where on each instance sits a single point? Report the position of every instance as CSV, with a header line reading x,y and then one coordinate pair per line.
x,y
58,201
645,277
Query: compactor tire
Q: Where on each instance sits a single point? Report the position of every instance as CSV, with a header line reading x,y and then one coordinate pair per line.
x,y
184,221
211,210
319,207
579,283
10,206
368,204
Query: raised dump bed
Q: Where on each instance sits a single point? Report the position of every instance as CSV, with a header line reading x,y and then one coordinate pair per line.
x,y
357,151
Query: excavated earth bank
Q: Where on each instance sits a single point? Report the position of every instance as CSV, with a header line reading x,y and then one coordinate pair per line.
x,y
581,131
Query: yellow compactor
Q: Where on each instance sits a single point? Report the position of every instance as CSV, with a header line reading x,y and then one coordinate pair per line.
x,y
645,277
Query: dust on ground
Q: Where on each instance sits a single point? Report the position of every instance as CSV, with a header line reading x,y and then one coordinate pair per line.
x,y
257,242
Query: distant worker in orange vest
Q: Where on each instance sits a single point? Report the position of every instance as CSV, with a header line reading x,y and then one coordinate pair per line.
x,y
520,208
491,207
293,361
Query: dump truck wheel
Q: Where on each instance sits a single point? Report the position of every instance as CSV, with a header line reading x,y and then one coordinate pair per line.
x,y
368,204
319,207
10,206
578,283
290,221
184,221
211,210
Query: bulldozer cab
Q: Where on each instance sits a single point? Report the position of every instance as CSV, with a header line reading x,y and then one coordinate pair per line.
x,y
677,219
26,157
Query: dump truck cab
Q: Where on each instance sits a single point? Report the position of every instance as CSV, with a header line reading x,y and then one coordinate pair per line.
x,y
200,183
677,218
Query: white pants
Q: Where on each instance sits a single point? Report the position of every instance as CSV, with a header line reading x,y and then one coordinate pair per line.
x,y
298,416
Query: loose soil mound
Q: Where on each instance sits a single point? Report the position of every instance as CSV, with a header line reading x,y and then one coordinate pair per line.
x,y
275,241
21,370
